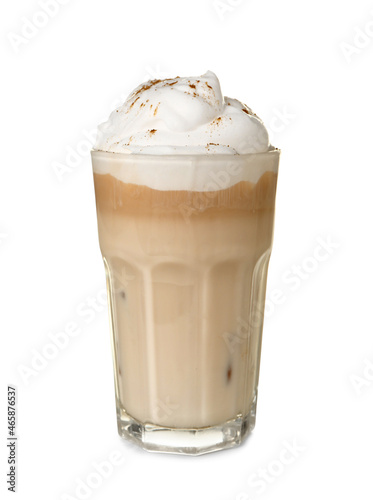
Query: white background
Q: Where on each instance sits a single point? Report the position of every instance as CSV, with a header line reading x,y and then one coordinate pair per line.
x,y
306,70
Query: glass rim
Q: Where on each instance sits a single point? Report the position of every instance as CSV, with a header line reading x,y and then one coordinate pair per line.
x,y
179,157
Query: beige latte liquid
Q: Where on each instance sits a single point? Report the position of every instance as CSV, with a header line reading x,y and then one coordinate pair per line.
x,y
187,275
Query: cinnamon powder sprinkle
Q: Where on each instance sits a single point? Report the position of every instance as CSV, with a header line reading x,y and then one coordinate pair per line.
x,y
146,87
152,131
192,86
134,101
245,111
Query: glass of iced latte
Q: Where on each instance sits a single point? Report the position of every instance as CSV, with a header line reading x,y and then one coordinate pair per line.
x,y
185,230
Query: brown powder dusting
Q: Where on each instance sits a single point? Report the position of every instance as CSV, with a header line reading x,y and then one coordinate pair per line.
x,y
249,111
209,86
152,131
137,98
192,86
146,86
156,109
217,121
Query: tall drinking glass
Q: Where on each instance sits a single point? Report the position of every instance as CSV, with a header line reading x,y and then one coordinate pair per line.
x,y
186,241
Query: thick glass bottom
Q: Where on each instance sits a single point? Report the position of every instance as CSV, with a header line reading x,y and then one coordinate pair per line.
x,y
186,441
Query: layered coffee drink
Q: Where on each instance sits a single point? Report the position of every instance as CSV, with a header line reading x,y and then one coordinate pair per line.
x,y
185,232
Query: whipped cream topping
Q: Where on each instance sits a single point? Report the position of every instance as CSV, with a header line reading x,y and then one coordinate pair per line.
x,y
182,116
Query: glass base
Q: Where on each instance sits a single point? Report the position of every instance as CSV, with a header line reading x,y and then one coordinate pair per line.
x,y
186,441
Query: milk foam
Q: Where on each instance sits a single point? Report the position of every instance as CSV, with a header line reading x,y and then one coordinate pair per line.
x,y
187,172
182,116
181,134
